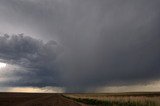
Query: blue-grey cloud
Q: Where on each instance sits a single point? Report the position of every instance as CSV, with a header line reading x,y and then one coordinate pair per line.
x,y
104,42
34,56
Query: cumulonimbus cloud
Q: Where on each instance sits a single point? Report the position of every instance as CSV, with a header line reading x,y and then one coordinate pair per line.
x,y
35,59
104,42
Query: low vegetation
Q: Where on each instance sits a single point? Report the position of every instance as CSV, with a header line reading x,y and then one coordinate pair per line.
x,y
116,100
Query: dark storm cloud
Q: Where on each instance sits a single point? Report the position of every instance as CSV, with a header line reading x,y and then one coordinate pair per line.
x,y
105,42
34,56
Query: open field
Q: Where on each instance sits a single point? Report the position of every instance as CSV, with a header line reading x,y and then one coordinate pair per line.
x,y
35,99
118,99
94,99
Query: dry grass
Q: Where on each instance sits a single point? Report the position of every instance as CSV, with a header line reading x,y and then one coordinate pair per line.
x,y
143,99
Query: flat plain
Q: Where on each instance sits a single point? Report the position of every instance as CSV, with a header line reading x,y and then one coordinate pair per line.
x,y
118,99
80,99
36,99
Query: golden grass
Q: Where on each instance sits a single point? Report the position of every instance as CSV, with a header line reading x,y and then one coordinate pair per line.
x,y
143,98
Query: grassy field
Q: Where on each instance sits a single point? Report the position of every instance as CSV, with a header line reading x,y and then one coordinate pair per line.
x,y
95,99
118,99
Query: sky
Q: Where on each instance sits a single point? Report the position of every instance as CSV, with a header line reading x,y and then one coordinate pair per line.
x,y
79,45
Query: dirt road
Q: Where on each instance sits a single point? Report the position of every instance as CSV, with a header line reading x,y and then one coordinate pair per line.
x,y
17,99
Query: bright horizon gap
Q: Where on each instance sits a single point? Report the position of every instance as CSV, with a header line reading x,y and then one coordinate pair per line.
x,y
152,87
2,65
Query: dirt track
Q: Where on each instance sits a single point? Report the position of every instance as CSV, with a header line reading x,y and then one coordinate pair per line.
x,y
17,99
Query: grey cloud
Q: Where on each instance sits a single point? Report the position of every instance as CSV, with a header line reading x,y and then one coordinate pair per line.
x,y
34,56
105,42
112,43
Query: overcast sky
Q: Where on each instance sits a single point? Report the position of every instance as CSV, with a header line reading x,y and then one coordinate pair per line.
x,y
79,45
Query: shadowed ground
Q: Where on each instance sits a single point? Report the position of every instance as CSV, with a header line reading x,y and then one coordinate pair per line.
x,y
35,99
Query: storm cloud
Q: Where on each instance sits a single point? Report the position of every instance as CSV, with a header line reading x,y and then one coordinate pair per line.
x,y
34,59
93,43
